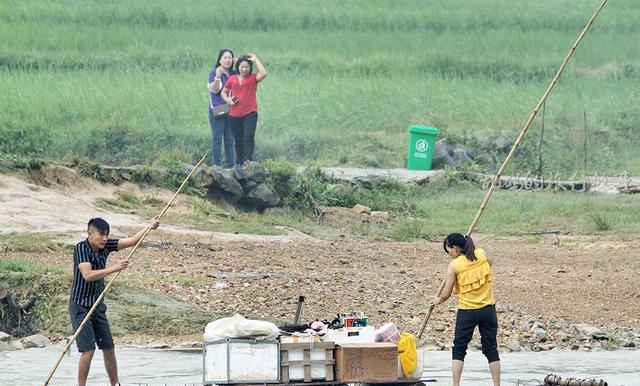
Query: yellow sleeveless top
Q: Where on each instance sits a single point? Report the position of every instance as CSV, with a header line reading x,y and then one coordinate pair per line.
x,y
474,281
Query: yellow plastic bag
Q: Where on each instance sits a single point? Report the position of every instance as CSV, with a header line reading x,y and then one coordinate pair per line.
x,y
408,353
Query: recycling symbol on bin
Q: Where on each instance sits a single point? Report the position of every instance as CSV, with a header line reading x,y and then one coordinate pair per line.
x,y
422,145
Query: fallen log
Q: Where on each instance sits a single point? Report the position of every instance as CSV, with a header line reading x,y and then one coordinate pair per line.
x,y
555,380
631,189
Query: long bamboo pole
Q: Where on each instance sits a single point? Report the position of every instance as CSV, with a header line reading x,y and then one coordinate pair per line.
x,y
526,126
108,287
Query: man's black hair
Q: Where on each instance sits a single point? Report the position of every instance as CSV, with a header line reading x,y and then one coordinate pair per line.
x,y
101,225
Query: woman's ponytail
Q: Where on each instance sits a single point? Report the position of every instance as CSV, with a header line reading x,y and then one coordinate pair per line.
x,y
464,242
469,248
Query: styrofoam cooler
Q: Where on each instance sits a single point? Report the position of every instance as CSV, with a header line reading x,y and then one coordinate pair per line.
x,y
233,360
417,373
351,335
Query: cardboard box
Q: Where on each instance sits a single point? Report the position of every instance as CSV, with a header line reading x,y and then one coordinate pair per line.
x,y
367,362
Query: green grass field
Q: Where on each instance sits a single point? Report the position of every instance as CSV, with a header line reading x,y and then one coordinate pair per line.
x,y
124,82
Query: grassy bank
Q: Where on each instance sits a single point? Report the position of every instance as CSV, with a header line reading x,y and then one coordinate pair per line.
x,y
415,211
125,83
131,309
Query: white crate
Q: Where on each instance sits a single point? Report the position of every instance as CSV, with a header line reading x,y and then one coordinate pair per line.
x,y
306,359
241,361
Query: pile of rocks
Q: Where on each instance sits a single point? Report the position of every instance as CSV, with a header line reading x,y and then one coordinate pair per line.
x,y
449,154
9,342
244,186
536,335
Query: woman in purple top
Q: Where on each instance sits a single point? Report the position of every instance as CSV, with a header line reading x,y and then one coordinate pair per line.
x,y
220,120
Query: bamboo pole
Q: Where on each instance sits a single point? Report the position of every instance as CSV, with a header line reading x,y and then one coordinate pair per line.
x,y
526,126
108,287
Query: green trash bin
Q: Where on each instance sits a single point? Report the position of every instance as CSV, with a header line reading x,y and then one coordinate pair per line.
x,y
422,140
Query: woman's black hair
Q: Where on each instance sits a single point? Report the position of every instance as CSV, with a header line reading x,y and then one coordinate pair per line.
x,y
222,52
243,58
461,241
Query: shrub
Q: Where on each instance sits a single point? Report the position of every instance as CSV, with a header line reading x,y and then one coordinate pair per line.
x,y
32,141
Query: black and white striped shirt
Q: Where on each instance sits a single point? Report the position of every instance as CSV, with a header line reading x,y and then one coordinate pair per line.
x,y
85,293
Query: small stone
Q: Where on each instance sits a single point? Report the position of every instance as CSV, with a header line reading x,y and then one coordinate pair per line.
x,y
627,343
4,337
380,215
541,334
186,345
36,340
361,209
4,346
439,327
513,346
17,344
159,344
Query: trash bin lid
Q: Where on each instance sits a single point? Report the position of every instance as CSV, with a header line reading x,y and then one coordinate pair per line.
x,y
424,130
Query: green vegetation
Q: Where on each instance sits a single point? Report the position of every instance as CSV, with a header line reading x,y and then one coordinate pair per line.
x,y
29,242
24,266
137,310
124,200
123,82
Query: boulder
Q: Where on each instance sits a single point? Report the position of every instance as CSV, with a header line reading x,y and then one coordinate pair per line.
x,y
261,197
586,332
460,154
275,211
36,341
256,172
371,161
248,185
442,154
225,181
503,143
564,337
206,175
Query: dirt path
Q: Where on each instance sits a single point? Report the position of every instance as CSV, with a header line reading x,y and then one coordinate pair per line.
x,y
58,201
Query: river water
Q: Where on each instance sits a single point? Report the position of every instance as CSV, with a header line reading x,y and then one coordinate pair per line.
x,y
157,367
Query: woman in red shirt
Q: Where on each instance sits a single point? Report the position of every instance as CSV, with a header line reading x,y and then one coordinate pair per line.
x,y
240,93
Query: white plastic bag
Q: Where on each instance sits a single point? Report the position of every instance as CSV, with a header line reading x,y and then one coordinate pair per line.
x,y
237,326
